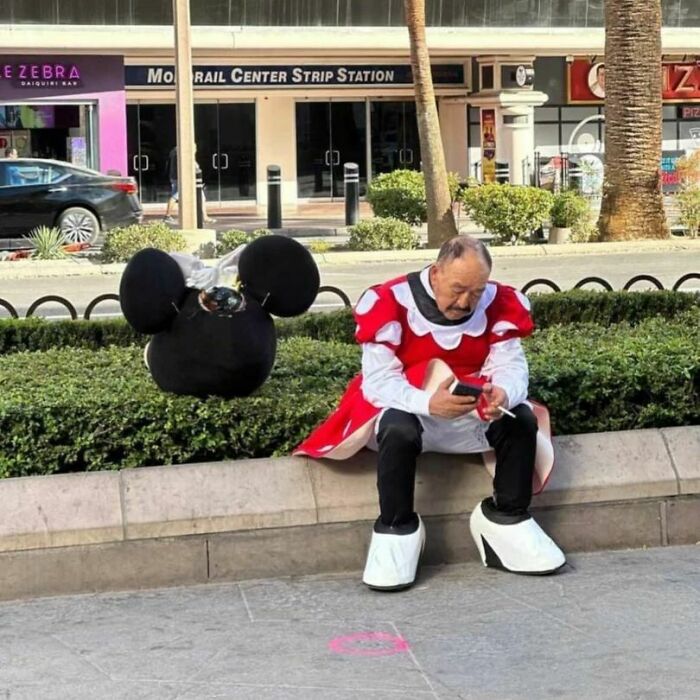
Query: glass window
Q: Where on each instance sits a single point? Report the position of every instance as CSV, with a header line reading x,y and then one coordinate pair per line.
x,y
81,12
547,138
570,114
546,114
689,137
21,174
669,136
213,12
152,12
35,11
475,136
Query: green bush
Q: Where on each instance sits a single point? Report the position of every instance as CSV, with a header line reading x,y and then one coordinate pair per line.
x,y
122,243
401,195
509,212
230,240
75,410
569,209
609,308
382,234
576,306
689,205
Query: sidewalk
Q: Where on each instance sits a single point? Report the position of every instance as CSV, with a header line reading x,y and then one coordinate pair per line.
x,y
616,625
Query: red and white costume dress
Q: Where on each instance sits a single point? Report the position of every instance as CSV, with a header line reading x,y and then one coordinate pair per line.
x,y
405,356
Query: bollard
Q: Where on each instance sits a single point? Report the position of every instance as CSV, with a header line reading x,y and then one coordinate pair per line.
x,y
199,184
352,193
274,196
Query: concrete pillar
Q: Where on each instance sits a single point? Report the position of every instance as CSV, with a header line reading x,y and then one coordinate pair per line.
x,y
276,145
185,115
515,127
453,126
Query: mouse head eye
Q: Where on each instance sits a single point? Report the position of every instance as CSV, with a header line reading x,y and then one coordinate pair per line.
x,y
222,301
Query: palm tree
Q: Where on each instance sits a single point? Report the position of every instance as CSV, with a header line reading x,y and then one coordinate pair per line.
x,y
632,205
441,220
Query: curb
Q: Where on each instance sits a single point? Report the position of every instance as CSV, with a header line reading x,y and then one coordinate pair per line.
x,y
29,269
177,525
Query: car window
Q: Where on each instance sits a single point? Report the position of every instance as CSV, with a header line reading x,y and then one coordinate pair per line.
x,y
26,174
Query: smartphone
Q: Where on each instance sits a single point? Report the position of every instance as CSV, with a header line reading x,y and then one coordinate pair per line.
x,y
465,389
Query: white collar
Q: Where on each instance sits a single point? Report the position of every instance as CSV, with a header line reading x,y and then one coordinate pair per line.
x,y
447,337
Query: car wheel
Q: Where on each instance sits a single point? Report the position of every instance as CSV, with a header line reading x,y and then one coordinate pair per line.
x,y
79,225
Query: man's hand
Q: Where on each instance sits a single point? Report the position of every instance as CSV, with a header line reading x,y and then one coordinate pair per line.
x,y
446,405
495,397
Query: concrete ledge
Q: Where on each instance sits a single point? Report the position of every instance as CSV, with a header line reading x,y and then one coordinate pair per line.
x,y
162,526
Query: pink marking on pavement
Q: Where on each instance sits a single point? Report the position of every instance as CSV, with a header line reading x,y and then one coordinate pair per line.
x,y
350,644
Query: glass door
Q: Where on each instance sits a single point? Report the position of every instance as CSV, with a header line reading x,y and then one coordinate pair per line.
x,y
329,134
225,136
237,149
395,142
151,136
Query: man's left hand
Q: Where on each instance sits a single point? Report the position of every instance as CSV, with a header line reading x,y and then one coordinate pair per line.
x,y
495,397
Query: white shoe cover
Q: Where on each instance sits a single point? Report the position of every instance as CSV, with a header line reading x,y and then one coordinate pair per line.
x,y
523,548
392,560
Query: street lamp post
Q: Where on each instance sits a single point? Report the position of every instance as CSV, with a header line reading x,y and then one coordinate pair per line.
x,y
185,114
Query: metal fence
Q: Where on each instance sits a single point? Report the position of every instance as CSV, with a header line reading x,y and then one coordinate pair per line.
x,y
345,299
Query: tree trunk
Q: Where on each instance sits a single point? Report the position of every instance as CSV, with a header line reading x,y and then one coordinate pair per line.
x,y
441,220
632,205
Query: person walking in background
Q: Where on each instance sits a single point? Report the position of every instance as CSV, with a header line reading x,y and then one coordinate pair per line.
x,y
174,198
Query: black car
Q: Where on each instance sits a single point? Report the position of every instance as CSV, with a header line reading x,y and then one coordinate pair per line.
x,y
78,201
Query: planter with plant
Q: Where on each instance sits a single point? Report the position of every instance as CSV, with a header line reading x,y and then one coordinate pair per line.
x,y
569,210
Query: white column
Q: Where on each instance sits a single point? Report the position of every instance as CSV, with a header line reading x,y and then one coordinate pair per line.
x,y
453,126
185,115
276,145
518,136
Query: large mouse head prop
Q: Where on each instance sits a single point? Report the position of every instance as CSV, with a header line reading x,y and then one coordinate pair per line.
x,y
210,339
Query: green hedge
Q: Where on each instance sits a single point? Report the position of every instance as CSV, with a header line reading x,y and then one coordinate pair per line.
x,y
71,410
575,306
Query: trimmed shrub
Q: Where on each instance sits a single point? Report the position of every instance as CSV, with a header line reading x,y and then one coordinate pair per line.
x,y
609,308
401,195
230,240
123,243
576,306
382,234
75,410
569,209
509,212
689,205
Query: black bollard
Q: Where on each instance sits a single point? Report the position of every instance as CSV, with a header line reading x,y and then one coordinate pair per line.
x,y
274,196
352,193
199,184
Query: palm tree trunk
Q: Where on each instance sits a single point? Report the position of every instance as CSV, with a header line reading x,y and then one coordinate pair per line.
x,y
441,221
632,205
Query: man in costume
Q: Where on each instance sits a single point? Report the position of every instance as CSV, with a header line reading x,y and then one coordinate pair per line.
x,y
418,333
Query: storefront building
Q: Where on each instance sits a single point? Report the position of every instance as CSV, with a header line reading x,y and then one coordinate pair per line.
x,y
66,107
312,84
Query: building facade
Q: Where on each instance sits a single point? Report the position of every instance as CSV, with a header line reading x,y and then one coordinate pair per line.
x,y
312,84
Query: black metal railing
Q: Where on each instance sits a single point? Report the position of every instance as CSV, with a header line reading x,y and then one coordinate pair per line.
x,y
345,299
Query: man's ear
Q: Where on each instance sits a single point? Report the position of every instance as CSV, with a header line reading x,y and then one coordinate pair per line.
x,y
151,291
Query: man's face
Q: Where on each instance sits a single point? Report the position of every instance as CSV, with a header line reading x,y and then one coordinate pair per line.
x,y
458,285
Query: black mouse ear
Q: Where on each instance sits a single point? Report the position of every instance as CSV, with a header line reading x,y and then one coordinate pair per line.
x,y
280,274
151,291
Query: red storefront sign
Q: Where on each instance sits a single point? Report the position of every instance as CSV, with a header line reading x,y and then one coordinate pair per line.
x,y
681,81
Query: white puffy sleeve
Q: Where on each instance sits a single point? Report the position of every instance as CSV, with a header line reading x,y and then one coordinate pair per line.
x,y
507,366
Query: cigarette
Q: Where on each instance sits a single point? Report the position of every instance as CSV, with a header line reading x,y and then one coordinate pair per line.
x,y
506,411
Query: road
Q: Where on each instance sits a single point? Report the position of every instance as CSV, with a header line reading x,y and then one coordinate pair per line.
x,y
612,626
564,270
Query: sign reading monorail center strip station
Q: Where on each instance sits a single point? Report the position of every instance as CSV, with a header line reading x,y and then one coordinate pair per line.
x,y
292,76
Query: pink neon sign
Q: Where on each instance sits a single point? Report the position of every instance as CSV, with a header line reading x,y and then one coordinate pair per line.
x,y
46,74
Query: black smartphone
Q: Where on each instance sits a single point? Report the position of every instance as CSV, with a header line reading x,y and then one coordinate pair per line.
x,y
465,389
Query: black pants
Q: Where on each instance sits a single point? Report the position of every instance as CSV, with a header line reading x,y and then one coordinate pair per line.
x,y
400,442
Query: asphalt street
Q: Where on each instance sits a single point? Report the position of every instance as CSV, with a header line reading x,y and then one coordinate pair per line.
x,y
564,270
612,626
